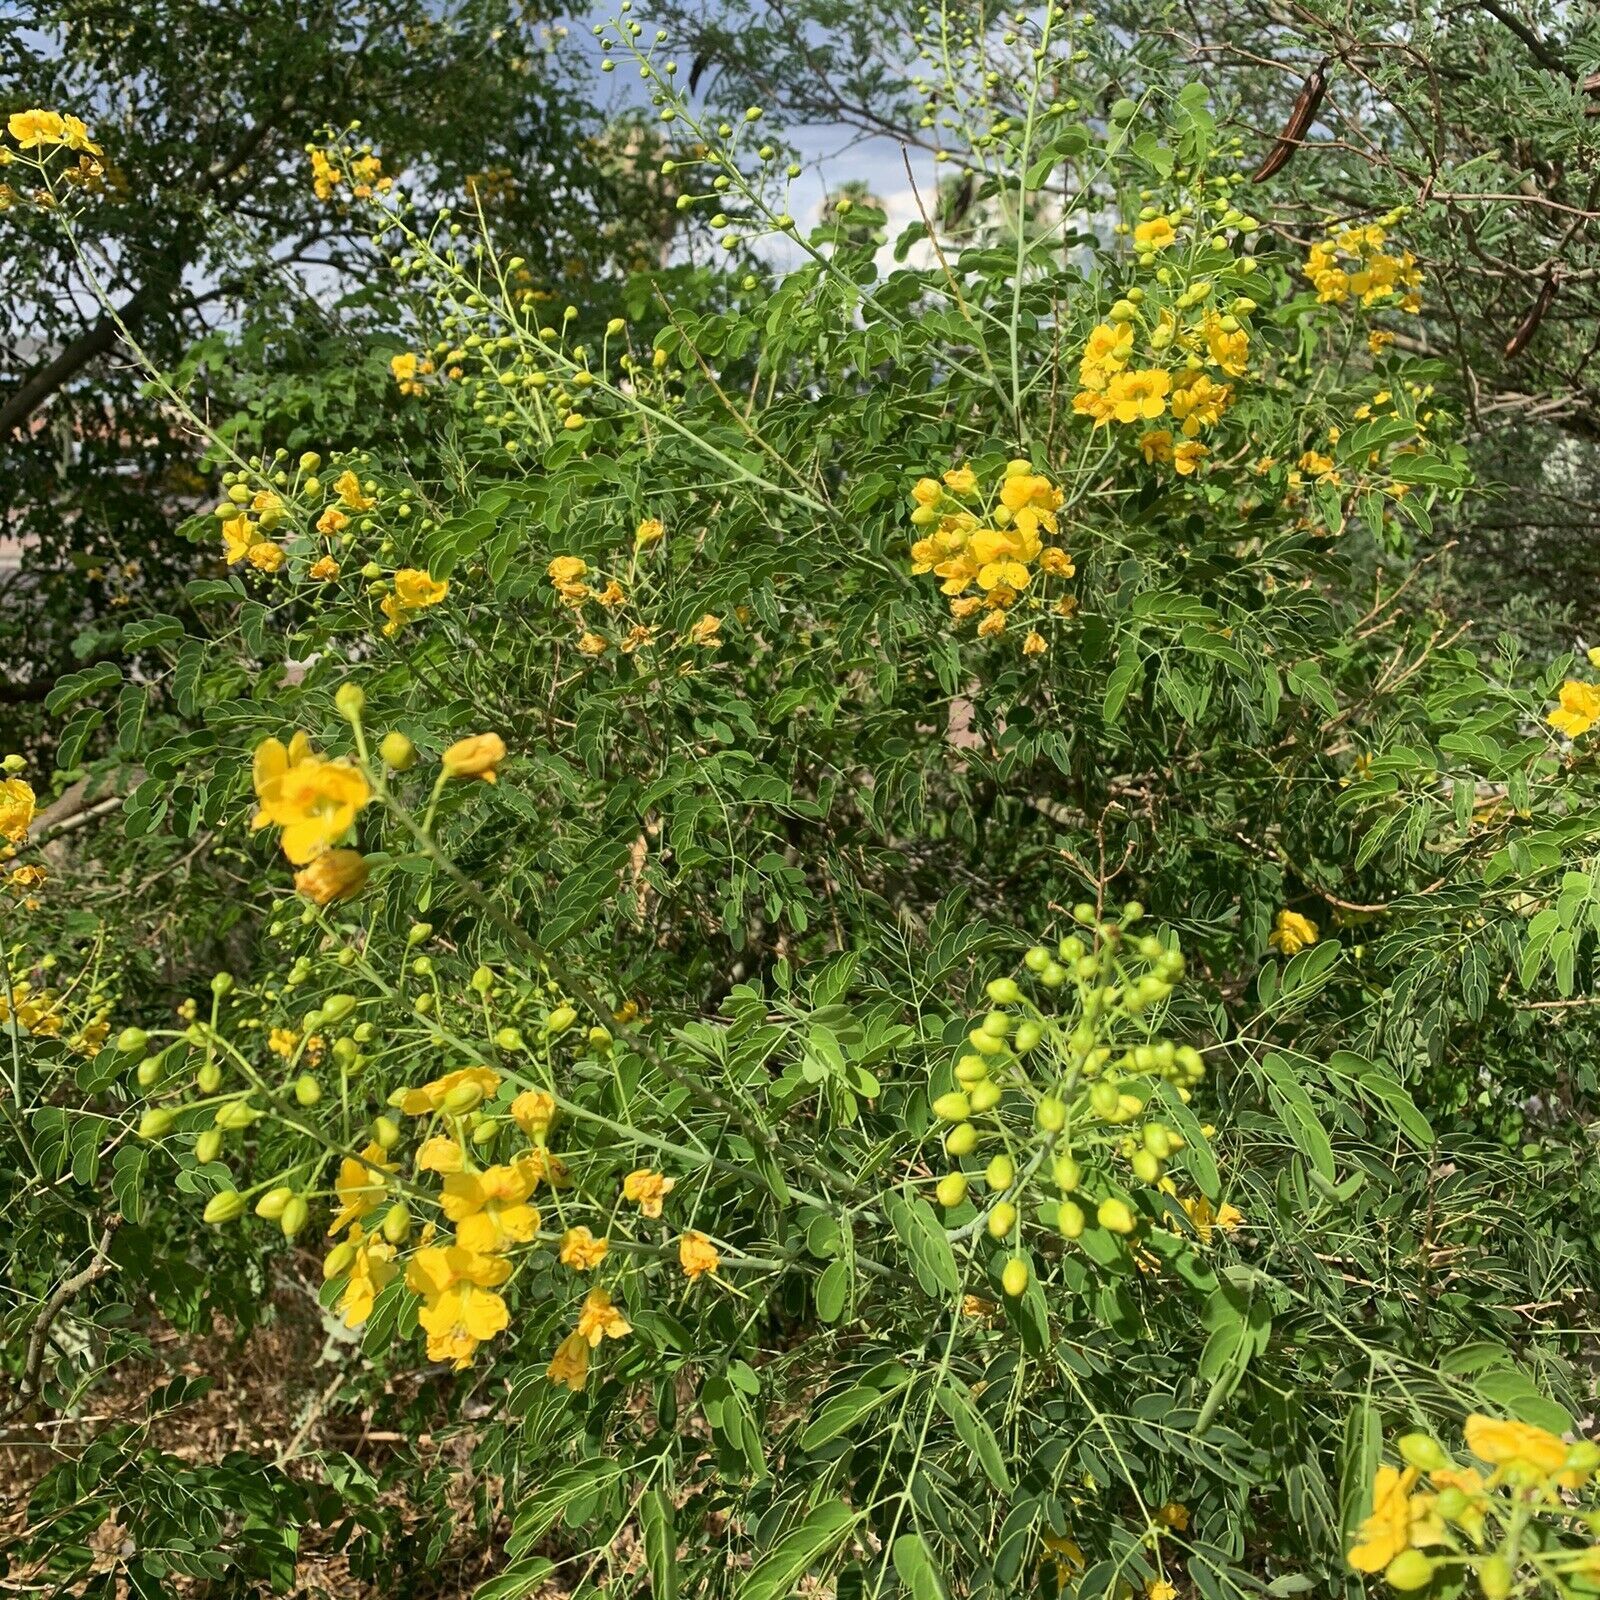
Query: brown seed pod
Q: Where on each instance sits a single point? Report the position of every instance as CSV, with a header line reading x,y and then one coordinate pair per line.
x,y
1518,342
1301,115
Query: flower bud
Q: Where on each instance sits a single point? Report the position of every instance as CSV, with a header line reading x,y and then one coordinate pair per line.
x,y
1004,992
1115,1215
156,1121
961,1140
952,1107
560,1020
350,701
1002,1219
148,1071
398,752
271,1204
952,1190
1070,1220
385,1133
296,1214
463,1098
208,1146
1067,1174
1028,1034
133,1041
984,1096
1001,1173
396,1224
225,1207
339,1259
1014,1276
209,1078
1409,1570
307,1091
1050,1114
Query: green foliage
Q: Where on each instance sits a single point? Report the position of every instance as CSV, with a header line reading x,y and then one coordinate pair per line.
x,y
806,886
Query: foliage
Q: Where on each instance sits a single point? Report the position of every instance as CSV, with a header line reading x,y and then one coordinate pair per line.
x,y
907,947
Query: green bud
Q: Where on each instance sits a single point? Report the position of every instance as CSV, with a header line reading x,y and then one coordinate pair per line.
x,y
1050,1114
1001,1220
952,1107
561,1019
1409,1570
1014,1276
350,701
1001,1173
222,985
296,1214
961,1140
155,1122
952,1190
307,1091
1028,1034
396,1224
208,1146
133,1041
225,1207
508,1039
209,1078
1003,991
385,1132
398,752
1116,1215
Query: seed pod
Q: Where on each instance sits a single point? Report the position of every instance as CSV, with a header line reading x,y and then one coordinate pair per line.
x,y
1307,103
1518,342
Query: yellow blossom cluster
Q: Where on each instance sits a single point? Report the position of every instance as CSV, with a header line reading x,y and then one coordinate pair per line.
x,y
577,586
1292,933
363,176
1354,264
408,370
1476,1515
995,539
413,591
1113,388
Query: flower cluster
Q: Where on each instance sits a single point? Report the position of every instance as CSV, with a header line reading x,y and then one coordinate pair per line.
x,y
1511,1516
577,586
1114,388
994,539
39,135
1353,264
1091,1090
1292,933
362,173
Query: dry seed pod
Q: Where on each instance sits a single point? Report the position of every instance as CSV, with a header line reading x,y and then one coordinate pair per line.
x,y
1518,342
1301,115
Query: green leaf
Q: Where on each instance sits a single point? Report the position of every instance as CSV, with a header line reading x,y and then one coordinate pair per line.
x,y
1298,1115
975,1434
833,1290
775,1576
914,1564
842,1413
518,1580
923,1238
74,686
660,1543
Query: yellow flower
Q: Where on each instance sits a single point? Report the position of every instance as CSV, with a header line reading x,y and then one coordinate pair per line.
x,y
1388,1530
403,368
314,801
1156,447
440,1154
460,1308
265,556
533,1111
650,531
697,1255
647,1189
332,875
1199,401
581,1251
1057,562
1156,234
16,809
1160,1589
432,1096
566,570
332,521
476,756
599,1319
360,1186
1206,1220
1174,1514
1139,395
1110,344
992,625
416,590
324,569
707,632
34,128
570,1363
372,1267
1579,709
591,644
927,492
348,488
238,534
1187,456
1379,340
1230,351
961,480
490,1208
1292,933
1518,1450
612,596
